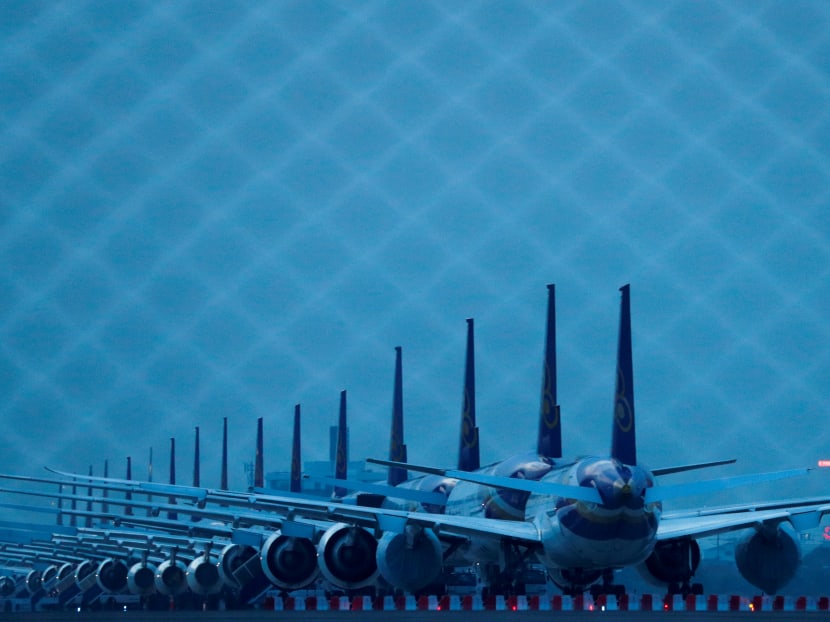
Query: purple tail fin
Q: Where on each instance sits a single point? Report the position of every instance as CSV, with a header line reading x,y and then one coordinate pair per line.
x,y
469,457
549,442
397,448
196,464
623,440
223,477
295,483
172,499
88,522
128,510
259,467
341,456
105,507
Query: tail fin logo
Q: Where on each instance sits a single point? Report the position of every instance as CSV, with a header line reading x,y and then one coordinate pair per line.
x,y
468,428
396,448
623,413
550,413
340,466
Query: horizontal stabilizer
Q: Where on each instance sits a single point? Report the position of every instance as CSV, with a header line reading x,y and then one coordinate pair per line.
x,y
667,493
580,493
393,492
690,467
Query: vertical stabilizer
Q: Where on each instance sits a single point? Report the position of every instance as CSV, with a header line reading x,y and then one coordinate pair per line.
x,y
397,449
623,443
150,479
88,522
295,484
259,467
549,443
223,477
469,457
128,510
196,464
73,518
105,507
60,505
341,459
172,500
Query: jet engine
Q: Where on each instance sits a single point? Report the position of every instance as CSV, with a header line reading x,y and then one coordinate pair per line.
x,y
171,577
34,581
234,565
768,556
64,578
85,575
346,556
48,576
203,575
289,562
409,560
672,562
112,576
7,586
141,578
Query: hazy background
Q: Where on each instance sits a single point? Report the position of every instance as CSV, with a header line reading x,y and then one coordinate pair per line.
x,y
221,209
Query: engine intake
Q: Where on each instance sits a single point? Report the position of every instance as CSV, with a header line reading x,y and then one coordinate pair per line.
x,y
672,562
236,566
347,556
141,579
768,556
289,562
409,560
85,575
7,586
112,576
171,577
203,576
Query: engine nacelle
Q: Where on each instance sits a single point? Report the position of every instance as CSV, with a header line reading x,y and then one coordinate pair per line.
x,y
171,577
289,562
768,556
141,579
409,560
7,586
86,575
233,560
48,576
574,580
203,576
64,578
33,581
347,556
671,562
111,576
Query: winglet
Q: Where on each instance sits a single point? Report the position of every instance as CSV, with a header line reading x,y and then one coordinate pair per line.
x,y
623,439
259,468
295,484
397,448
549,442
341,455
469,457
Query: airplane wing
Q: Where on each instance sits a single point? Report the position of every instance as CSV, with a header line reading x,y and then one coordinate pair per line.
x,y
802,513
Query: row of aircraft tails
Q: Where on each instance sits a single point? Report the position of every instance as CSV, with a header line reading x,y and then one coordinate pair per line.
x,y
579,519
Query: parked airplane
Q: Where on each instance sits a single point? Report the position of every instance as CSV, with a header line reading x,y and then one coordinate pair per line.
x,y
580,519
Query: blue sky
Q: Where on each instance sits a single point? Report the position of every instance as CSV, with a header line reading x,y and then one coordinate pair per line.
x,y
221,209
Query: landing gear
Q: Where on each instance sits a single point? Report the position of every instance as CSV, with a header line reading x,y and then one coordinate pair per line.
x,y
685,589
607,586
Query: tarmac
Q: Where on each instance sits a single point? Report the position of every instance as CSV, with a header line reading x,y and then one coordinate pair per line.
x,y
414,616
